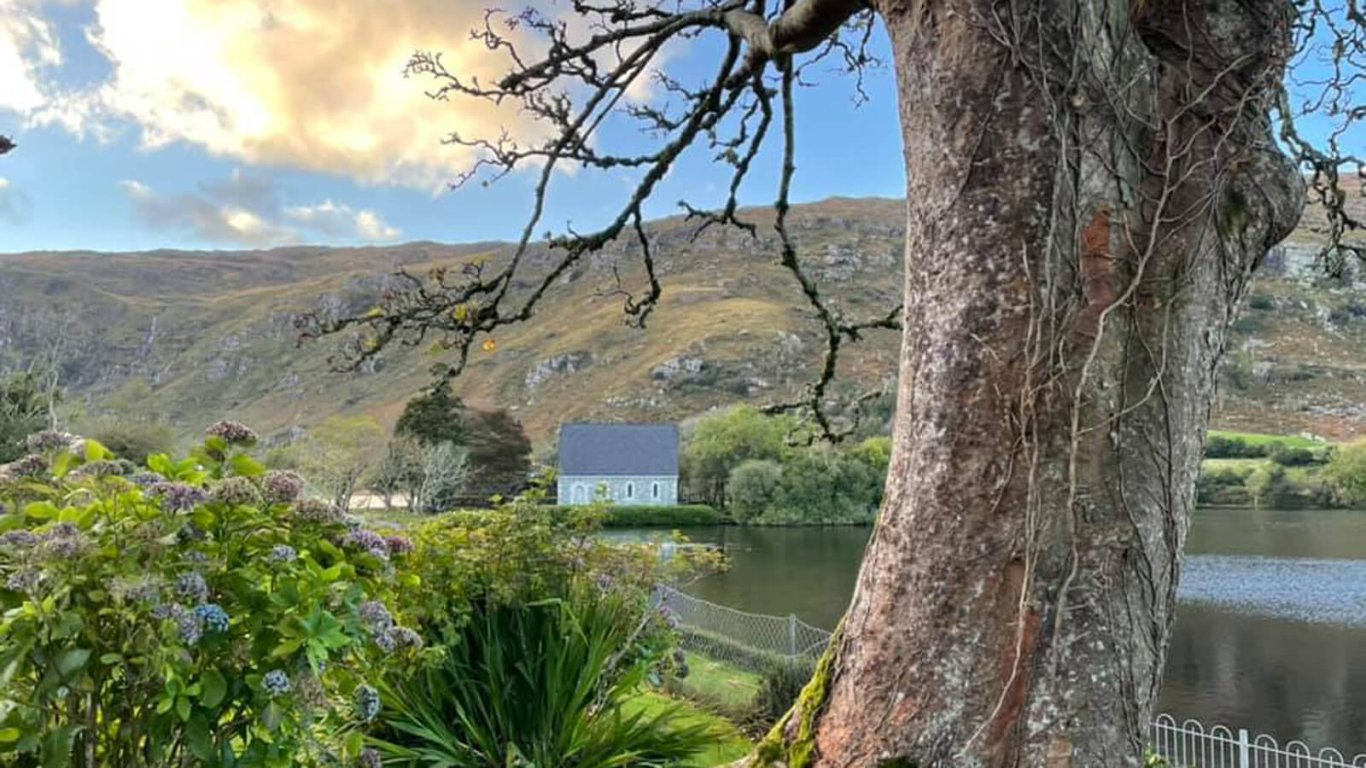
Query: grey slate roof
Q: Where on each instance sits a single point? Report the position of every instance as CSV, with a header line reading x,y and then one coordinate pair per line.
x,y
618,449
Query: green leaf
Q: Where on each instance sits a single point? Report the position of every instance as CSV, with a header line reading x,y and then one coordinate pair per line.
x,y
214,689
199,739
161,464
72,661
245,466
41,510
95,451
10,735
57,746
182,708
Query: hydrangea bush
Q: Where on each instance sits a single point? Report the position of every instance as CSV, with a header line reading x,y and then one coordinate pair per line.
x,y
188,612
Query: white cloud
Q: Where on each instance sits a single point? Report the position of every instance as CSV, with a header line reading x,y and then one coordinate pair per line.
x,y
311,84
204,217
245,210
343,221
28,44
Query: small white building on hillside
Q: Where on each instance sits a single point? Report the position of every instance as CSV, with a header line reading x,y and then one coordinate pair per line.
x,y
629,464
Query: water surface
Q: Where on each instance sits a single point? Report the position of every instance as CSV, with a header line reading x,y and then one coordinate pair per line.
x,y
1270,632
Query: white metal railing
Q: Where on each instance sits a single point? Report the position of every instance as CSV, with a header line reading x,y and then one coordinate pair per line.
x,y
1189,745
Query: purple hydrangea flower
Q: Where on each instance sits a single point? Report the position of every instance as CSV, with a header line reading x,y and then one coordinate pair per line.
x,y
66,548
375,616
49,440
62,531
399,545
236,491
409,638
63,541
282,486
192,586
168,611
99,469
367,703
19,539
177,497
213,616
232,432
315,511
146,479
367,540
385,641
25,581
370,758
190,627
29,466
146,592
283,553
276,683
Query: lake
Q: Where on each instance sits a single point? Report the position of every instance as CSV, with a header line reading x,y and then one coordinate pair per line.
x,y
1270,632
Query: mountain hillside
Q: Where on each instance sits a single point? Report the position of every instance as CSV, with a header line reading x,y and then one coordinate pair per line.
x,y
213,336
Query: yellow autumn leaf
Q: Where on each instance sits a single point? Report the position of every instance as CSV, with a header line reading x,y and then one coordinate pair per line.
x,y
490,345
461,313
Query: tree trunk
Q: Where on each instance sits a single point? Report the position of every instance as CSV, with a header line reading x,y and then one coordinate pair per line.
x,y
1091,184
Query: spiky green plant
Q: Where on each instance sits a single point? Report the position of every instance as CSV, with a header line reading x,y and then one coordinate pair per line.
x,y
540,685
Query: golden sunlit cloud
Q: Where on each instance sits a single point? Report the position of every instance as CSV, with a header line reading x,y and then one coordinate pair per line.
x,y
309,84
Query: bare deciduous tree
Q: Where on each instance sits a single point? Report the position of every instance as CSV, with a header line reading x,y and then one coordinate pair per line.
x,y
1091,184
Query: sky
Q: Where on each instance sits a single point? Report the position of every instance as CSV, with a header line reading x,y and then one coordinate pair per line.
x,y
225,124
228,124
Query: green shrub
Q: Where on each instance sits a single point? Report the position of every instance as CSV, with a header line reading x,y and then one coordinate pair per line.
x,y
643,516
538,684
524,552
823,486
1230,447
189,613
1288,456
1346,470
752,488
26,404
1222,486
782,684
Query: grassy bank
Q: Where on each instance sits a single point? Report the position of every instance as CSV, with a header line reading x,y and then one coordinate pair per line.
x,y
730,744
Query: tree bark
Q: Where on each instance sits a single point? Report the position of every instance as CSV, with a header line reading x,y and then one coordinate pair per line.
x,y
1090,186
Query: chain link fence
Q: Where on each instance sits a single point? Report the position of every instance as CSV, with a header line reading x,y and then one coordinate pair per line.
x,y
748,640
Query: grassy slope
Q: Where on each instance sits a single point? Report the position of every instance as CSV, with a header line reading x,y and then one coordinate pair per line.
x,y
213,331
730,744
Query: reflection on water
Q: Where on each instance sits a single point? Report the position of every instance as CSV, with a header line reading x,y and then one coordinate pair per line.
x,y
1285,678
1323,591
1270,634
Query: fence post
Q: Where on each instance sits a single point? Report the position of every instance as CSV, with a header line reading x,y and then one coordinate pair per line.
x,y
792,634
1244,756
